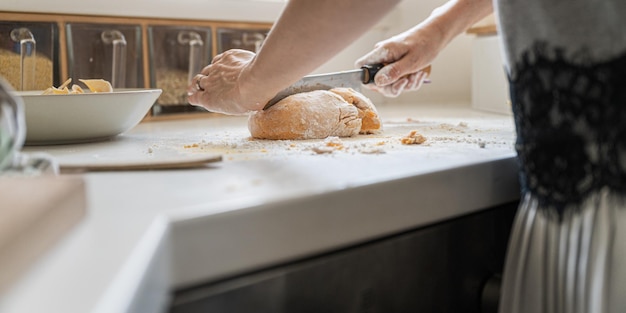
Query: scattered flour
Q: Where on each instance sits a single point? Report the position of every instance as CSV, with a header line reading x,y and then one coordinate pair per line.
x,y
238,145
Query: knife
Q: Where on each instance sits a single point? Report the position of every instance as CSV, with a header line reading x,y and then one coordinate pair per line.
x,y
345,79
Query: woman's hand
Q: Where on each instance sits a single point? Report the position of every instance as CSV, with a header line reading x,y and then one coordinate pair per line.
x,y
405,57
225,85
407,54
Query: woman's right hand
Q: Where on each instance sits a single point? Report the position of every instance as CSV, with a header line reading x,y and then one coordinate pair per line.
x,y
407,54
406,57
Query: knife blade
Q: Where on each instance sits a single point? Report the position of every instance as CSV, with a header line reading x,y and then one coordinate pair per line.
x,y
347,79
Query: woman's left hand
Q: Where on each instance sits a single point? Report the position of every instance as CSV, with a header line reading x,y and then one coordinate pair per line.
x,y
225,85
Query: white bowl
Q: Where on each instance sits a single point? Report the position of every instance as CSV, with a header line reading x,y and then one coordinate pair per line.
x,y
75,118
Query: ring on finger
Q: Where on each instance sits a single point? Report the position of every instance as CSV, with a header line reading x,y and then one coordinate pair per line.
x,y
198,84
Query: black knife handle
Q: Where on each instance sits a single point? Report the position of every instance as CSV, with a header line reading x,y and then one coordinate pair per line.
x,y
369,71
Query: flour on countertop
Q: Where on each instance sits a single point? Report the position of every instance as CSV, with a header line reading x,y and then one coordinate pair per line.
x,y
440,136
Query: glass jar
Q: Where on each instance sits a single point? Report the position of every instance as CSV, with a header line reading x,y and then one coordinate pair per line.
x,y
246,39
107,51
177,54
12,127
28,54
12,136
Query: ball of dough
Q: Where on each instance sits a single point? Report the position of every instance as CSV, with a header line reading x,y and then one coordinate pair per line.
x,y
340,112
367,111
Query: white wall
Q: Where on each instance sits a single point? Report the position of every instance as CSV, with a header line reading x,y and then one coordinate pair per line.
x,y
451,74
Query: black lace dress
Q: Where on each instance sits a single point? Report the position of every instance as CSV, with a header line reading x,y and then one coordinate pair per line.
x,y
567,69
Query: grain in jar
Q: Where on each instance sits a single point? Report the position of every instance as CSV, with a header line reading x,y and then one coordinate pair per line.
x,y
43,55
177,53
10,69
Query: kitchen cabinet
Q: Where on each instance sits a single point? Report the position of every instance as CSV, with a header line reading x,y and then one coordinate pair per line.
x,y
129,52
445,267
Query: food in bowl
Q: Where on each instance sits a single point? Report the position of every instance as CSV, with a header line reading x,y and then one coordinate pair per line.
x,y
94,85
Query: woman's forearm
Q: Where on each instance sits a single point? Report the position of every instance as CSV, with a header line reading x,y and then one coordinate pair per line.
x,y
456,16
310,32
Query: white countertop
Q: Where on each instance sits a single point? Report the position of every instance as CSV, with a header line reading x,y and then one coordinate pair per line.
x,y
267,202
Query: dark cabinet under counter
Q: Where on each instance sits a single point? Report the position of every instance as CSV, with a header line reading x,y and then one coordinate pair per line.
x,y
452,266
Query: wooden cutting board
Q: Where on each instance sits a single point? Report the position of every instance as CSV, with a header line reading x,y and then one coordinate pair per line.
x,y
125,163
35,213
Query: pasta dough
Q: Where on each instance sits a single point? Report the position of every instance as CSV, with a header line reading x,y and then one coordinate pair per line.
x,y
318,114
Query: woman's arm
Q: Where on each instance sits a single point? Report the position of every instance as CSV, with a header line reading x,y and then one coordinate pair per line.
x,y
307,34
311,32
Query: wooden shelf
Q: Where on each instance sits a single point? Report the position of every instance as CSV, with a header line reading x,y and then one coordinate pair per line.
x,y
483,30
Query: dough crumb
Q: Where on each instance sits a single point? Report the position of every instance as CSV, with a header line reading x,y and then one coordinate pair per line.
x,y
370,150
322,150
413,138
333,142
